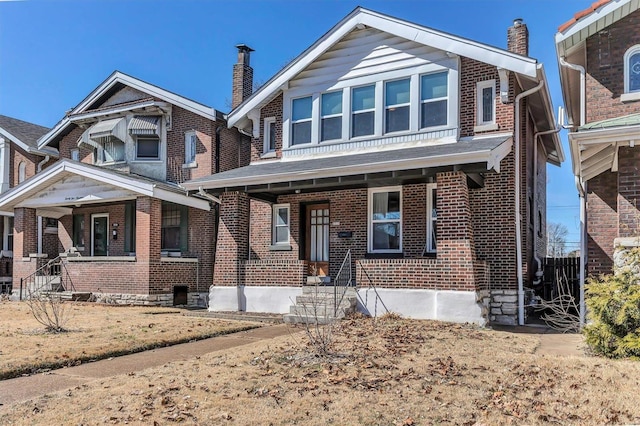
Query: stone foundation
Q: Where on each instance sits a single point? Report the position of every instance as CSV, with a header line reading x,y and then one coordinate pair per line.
x,y
503,307
193,299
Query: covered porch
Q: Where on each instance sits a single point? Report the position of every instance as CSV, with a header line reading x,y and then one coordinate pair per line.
x,y
123,238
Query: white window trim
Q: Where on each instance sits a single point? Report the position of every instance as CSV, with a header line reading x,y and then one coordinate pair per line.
x,y
188,155
447,98
22,172
312,119
147,159
482,125
266,149
451,66
274,224
341,114
5,235
370,220
628,95
430,220
75,152
386,107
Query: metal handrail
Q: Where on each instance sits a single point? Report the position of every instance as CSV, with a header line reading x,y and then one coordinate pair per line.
x,y
50,270
339,280
375,290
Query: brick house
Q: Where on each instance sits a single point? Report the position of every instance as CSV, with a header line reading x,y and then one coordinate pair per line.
x,y
413,150
112,204
599,55
20,159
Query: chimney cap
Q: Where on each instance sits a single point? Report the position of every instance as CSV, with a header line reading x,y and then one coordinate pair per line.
x,y
244,48
518,22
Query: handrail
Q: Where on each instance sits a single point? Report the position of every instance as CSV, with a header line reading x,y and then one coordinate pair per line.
x,y
50,270
339,280
375,290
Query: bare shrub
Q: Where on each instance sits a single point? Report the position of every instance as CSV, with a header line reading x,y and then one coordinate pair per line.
x,y
562,312
49,310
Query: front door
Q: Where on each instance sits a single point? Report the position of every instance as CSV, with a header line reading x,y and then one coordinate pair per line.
x,y
100,235
317,239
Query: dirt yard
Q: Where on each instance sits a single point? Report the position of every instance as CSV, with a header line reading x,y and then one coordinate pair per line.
x,y
389,372
95,332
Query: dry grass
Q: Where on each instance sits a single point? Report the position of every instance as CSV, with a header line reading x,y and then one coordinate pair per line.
x,y
95,331
393,372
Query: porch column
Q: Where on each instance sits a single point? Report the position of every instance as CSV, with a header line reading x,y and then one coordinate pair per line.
x,y
148,235
25,242
233,239
455,230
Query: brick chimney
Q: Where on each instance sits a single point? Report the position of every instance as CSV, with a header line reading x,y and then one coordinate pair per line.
x,y
518,38
242,76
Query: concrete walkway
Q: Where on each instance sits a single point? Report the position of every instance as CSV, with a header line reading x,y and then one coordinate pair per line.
x,y
552,342
26,388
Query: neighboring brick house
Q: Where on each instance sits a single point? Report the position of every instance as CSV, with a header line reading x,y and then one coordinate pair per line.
x,y
599,55
127,231
20,159
358,142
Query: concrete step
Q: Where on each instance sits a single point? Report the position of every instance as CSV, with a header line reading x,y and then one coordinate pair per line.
x,y
346,302
319,310
301,319
327,289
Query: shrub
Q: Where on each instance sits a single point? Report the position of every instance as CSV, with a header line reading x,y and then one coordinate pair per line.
x,y
613,305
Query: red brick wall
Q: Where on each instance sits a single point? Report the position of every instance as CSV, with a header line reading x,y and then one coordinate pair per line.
x,y
232,245
184,121
605,69
628,192
25,242
274,272
272,109
18,155
602,217
110,276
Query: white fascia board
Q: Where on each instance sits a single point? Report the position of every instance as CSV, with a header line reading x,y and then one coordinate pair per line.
x,y
118,77
14,139
551,116
447,42
116,110
485,156
610,135
182,199
53,133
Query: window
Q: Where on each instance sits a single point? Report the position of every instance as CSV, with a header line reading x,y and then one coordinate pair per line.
x,y
269,134
432,217
632,69
331,116
433,100
22,171
174,227
301,119
78,231
130,227
397,95
385,220
280,224
147,147
7,241
75,154
363,110
190,147
109,151
485,101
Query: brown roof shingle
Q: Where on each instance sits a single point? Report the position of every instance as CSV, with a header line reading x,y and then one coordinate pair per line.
x,y
581,14
28,133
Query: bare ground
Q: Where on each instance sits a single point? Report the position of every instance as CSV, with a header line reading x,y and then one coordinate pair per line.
x,y
95,332
389,372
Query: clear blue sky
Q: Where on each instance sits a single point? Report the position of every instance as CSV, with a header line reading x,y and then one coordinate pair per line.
x,y
53,53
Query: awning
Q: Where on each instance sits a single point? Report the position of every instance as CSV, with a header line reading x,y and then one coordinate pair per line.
x,y
144,125
113,128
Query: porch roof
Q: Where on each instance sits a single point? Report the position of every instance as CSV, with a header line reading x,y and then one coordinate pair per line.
x,y
70,183
343,170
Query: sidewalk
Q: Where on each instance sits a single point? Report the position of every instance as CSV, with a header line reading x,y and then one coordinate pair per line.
x,y
25,388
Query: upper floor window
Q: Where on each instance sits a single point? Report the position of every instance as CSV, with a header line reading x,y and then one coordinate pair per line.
x,y
75,154
485,103
632,69
22,171
397,103
269,135
109,150
301,121
331,116
363,107
147,147
190,147
434,100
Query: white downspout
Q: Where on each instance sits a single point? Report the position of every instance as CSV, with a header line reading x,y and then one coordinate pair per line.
x,y
581,189
42,163
518,219
539,272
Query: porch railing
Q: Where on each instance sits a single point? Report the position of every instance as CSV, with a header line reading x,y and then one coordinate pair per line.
x,y
342,282
370,286
52,276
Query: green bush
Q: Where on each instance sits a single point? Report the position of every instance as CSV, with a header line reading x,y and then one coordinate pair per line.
x,y
613,306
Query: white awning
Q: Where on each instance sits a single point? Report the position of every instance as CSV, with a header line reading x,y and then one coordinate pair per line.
x,y
144,125
113,128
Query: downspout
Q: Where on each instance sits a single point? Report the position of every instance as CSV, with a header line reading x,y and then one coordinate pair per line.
x,y
38,170
42,163
518,219
581,188
540,271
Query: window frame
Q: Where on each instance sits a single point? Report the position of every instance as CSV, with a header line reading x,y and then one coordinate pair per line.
x,y
74,154
628,94
148,137
7,235
434,100
190,148
22,172
275,226
328,116
268,124
371,221
480,86
352,113
303,120
183,223
431,246
402,105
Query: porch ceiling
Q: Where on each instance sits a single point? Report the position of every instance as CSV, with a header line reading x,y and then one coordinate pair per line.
x,y
406,165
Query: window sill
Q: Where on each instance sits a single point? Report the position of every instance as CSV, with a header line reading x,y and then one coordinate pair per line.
x,y
190,165
280,247
485,127
630,97
270,154
384,256
179,259
147,160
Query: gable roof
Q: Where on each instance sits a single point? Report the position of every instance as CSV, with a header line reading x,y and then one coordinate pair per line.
x,y
523,65
115,82
22,133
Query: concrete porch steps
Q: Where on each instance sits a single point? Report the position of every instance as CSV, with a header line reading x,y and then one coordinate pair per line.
x,y
317,305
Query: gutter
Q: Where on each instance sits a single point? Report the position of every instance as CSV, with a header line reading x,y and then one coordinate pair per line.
x,y
517,201
583,83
